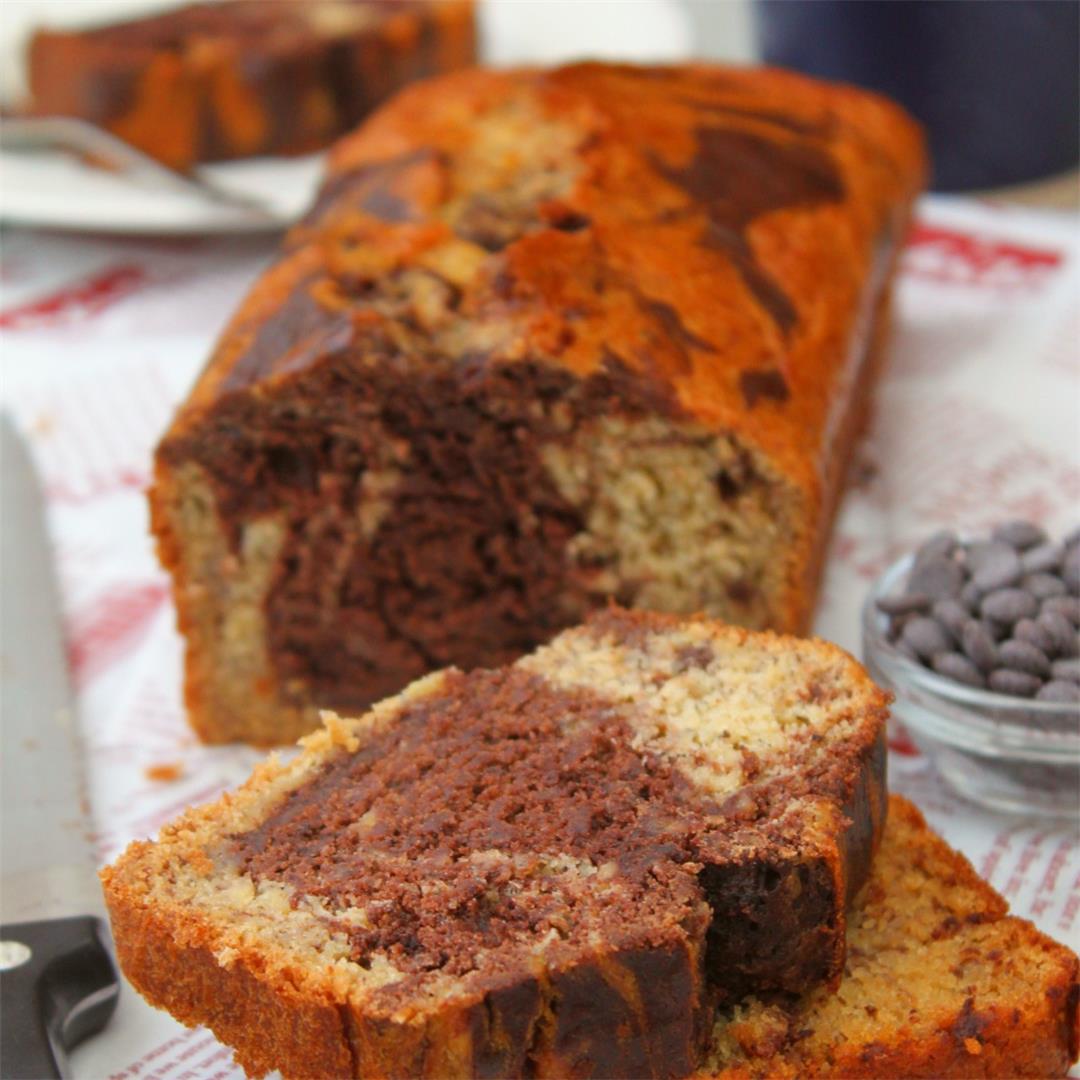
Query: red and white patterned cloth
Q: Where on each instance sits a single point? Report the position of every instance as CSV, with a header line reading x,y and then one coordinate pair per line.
x,y
977,420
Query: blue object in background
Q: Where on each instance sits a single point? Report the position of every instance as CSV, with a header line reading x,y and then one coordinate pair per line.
x,y
995,82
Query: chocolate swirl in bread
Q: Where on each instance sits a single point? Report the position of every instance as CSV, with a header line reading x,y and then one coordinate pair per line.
x,y
545,340
556,868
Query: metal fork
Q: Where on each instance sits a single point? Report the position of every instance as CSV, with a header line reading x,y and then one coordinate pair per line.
x,y
27,133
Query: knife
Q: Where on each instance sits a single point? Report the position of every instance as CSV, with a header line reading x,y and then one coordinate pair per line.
x,y
57,979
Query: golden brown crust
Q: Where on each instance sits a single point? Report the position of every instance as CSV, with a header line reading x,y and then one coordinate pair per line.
x,y
678,796
822,255
268,1027
1022,1021
274,1025
723,240
830,258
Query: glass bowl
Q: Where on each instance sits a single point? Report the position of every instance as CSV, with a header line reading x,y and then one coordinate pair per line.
x,y
1007,753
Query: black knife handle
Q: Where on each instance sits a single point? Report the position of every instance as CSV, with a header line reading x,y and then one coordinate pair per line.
x,y
63,991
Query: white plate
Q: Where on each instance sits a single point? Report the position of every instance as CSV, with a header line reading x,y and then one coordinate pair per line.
x,y
58,191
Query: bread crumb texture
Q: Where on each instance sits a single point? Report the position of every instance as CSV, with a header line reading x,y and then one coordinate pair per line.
x,y
490,870
546,339
938,982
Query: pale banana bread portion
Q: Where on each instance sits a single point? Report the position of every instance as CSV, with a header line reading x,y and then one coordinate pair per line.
x,y
545,340
938,982
557,868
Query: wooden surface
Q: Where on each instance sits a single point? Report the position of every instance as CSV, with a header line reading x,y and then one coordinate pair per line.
x,y
1055,193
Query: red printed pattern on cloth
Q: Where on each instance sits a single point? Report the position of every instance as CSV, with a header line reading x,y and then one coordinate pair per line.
x,y
962,258
945,450
109,630
78,300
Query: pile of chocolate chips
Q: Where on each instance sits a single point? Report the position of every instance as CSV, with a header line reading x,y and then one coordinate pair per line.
x,y
999,613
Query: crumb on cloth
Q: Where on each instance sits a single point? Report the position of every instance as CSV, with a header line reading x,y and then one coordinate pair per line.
x,y
164,772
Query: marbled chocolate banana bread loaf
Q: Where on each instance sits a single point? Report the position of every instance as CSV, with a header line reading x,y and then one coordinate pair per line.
x,y
547,338
552,869
240,78
939,982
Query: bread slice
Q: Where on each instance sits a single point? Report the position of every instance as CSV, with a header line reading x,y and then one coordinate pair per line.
x,y
939,982
549,869
548,338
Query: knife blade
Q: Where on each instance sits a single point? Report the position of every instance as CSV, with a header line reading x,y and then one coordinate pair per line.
x,y
57,979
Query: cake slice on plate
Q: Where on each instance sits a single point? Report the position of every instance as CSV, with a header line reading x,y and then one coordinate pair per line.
x,y
245,78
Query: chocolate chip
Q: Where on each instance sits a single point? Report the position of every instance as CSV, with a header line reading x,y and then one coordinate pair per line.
x,y
1041,559
291,469
1066,693
998,569
903,647
1019,534
897,624
970,596
1023,656
1069,606
1013,683
940,545
1069,670
976,552
927,637
1035,634
936,576
1008,605
995,611
689,657
954,665
979,645
571,221
1043,585
1070,569
1061,632
903,603
952,615
767,383
727,485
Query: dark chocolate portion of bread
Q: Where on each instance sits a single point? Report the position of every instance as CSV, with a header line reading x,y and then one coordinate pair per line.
x,y
578,788
600,1032
581,788
368,188
378,829
467,564
503,1028
772,918
737,176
